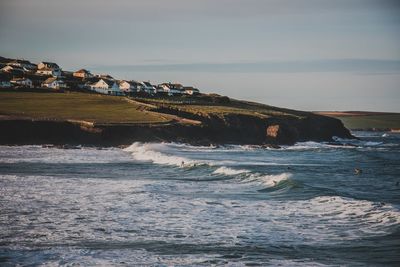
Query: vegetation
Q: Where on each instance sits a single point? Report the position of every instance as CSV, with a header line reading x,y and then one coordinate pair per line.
x,y
76,106
391,121
105,109
218,105
368,120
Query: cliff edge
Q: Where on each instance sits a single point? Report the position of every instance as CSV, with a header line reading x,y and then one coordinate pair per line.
x,y
96,120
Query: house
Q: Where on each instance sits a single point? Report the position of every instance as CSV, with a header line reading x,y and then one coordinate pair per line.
x,y
54,83
23,64
49,68
37,80
4,81
13,70
49,72
131,86
128,87
22,82
171,88
149,88
86,83
105,76
82,73
107,87
48,65
163,88
189,90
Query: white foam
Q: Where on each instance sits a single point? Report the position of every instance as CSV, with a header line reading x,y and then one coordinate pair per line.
x,y
53,155
229,171
270,180
305,145
148,152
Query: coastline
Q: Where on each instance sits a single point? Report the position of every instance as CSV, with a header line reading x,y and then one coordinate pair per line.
x,y
233,129
98,120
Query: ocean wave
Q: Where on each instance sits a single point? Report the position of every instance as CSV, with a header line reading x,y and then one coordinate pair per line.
x,y
56,155
270,180
262,180
359,212
148,152
162,154
229,171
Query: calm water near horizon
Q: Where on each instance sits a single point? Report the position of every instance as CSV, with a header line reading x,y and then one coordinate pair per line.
x,y
230,205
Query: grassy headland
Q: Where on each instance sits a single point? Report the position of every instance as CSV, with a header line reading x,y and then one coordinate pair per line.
x,y
367,120
60,118
116,109
76,106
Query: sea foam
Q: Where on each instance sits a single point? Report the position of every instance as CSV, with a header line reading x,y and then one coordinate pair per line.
x,y
148,152
229,171
271,180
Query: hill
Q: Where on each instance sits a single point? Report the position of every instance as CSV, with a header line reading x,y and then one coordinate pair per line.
x,y
366,120
82,118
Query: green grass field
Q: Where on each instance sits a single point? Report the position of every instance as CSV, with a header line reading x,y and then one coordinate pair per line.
x,y
76,106
233,107
103,109
383,121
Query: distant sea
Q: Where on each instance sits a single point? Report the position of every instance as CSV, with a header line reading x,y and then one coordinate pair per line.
x,y
173,204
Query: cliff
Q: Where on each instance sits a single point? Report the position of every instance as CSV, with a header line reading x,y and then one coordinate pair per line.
x,y
218,120
231,129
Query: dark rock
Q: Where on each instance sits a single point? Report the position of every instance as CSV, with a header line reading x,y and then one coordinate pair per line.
x,y
214,129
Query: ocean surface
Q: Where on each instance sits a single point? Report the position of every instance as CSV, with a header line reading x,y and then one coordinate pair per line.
x,y
163,204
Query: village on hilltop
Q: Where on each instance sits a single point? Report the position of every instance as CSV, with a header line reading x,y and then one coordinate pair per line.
x,y
19,73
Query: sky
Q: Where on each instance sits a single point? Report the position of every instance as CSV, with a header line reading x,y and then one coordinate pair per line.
x,y
301,54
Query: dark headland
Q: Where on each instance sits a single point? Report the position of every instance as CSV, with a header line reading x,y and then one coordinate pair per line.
x,y
42,104
91,119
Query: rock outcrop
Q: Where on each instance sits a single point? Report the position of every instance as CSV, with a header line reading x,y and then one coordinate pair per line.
x,y
213,129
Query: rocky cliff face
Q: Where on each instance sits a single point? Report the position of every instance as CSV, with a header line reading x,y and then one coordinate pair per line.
x,y
214,129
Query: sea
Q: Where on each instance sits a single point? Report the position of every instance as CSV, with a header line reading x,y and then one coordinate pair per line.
x,y
171,204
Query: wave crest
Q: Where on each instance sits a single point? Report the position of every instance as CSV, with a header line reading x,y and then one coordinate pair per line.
x,y
229,171
147,152
161,154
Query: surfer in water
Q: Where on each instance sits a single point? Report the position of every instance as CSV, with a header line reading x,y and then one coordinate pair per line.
x,y
357,171
182,163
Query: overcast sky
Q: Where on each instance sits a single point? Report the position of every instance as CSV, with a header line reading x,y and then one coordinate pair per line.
x,y
303,54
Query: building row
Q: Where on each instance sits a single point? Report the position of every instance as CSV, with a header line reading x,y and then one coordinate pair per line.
x,y
23,73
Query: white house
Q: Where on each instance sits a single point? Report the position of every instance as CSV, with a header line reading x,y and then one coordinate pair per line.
x,y
82,73
127,87
24,64
189,90
54,83
49,68
49,72
132,86
48,65
10,69
171,88
106,87
23,82
149,88
4,83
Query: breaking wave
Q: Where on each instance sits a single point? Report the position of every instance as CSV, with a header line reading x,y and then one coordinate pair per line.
x,y
162,154
270,180
229,171
148,152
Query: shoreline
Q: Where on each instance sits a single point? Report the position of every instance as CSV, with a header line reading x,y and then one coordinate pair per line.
x,y
245,131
